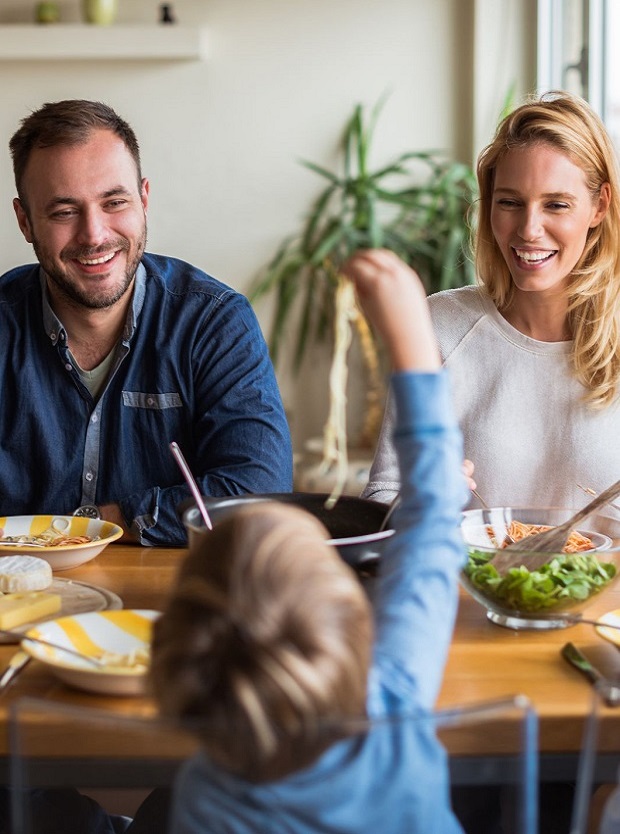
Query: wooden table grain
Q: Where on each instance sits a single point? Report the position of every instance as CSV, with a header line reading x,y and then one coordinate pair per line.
x,y
485,662
142,577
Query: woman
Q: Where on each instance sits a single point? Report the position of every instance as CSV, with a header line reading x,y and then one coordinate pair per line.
x,y
534,350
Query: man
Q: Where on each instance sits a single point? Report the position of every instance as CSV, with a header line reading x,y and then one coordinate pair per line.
x,y
110,353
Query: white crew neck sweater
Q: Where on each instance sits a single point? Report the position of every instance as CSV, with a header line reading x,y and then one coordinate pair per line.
x,y
524,424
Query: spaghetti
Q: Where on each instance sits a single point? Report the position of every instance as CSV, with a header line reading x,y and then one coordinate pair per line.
x,y
517,530
138,659
45,541
335,431
54,536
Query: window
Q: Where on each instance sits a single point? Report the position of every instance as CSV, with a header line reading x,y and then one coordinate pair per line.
x,y
577,53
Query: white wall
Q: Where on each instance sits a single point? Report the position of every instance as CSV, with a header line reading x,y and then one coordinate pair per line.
x,y
221,138
504,60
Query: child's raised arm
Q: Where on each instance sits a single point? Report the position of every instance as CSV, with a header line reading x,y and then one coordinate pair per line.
x,y
393,298
416,596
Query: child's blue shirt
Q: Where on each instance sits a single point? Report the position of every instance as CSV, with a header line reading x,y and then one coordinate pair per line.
x,y
392,779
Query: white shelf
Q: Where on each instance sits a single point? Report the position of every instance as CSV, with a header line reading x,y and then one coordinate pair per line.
x,y
82,41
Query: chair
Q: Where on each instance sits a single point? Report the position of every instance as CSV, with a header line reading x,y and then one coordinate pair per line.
x,y
599,760
61,746
495,745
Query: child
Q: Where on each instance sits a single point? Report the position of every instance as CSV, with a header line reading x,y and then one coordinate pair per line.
x,y
269,647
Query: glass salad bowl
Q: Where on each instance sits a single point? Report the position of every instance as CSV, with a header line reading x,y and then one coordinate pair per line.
x,y
558,593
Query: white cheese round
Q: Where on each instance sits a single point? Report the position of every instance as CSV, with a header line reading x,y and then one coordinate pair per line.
x,y
24,573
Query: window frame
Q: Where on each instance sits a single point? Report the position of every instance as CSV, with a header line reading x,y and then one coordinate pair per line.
x,y
551,63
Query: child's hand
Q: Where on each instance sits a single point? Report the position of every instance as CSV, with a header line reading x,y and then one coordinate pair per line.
x,y
393,298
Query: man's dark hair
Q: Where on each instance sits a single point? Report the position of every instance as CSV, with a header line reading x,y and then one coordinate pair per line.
x,y
68,122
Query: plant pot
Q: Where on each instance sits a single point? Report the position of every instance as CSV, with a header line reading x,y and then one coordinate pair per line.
x,y
100,12
311,476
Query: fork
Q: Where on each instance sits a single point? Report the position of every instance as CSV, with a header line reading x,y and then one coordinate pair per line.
x,y
507,537
19,660
590,491
24,637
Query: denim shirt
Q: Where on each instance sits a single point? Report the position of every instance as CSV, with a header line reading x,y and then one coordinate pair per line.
x,y
191,366
395,778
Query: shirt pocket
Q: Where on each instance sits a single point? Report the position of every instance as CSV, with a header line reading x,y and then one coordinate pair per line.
x,y
154,402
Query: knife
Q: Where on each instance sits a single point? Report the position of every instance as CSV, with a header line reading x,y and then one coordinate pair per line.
x,y
16,664
609,692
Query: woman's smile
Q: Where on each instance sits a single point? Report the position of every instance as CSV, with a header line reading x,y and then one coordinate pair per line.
x,y
541,214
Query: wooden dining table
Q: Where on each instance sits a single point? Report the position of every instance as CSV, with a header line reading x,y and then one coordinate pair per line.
x,y
486,662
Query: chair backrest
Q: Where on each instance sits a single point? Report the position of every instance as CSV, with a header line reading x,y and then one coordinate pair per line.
x,y
495,744
598,774
54,746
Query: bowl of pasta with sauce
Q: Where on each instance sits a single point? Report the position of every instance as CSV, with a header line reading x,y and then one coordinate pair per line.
x,y
554,595
65,541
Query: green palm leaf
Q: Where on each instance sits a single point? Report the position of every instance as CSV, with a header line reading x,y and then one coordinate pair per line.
x,y
420,205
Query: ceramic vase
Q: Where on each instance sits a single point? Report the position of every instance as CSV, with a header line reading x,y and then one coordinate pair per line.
x,y
47,11
100,12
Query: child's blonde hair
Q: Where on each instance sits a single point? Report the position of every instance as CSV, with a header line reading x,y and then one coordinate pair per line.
x,y
267,637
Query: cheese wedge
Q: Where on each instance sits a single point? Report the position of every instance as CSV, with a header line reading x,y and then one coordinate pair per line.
x,y
17,609
24,573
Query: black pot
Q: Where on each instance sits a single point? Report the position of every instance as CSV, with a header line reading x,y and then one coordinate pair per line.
x,y
353,524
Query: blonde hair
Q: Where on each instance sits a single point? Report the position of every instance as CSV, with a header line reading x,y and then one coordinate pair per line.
x,y
265,643
568,124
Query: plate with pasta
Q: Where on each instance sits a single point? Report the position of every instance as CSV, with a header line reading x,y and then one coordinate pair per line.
x,y
118,641
63,541
489,535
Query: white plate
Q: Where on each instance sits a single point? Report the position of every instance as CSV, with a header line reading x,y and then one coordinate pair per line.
x,y
65,556
120,632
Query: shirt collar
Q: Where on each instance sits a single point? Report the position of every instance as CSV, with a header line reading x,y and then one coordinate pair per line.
x,y
54,327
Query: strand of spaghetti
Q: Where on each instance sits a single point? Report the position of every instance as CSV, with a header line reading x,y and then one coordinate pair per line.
x,y
517,530
335,431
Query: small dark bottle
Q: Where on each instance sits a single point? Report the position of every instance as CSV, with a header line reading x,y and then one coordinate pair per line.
x,y
166,14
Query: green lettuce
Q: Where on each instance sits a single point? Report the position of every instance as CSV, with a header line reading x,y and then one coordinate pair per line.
x,y
561,583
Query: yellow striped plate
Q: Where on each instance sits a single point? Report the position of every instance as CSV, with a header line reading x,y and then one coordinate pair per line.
x,y
118,637
60,557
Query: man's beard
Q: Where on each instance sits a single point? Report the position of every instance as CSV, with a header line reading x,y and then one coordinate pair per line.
x,y
74,293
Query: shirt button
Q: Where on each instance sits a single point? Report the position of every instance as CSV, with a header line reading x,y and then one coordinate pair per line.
x,y
53,336
69,366
89,476
94,418
149,400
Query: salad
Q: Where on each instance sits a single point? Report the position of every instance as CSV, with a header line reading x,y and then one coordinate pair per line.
x,y
565,580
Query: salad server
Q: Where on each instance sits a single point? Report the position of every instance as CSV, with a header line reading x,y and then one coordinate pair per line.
x,y
610,692
532,552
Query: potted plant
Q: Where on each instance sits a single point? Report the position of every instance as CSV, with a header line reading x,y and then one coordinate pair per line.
x,y
417,205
